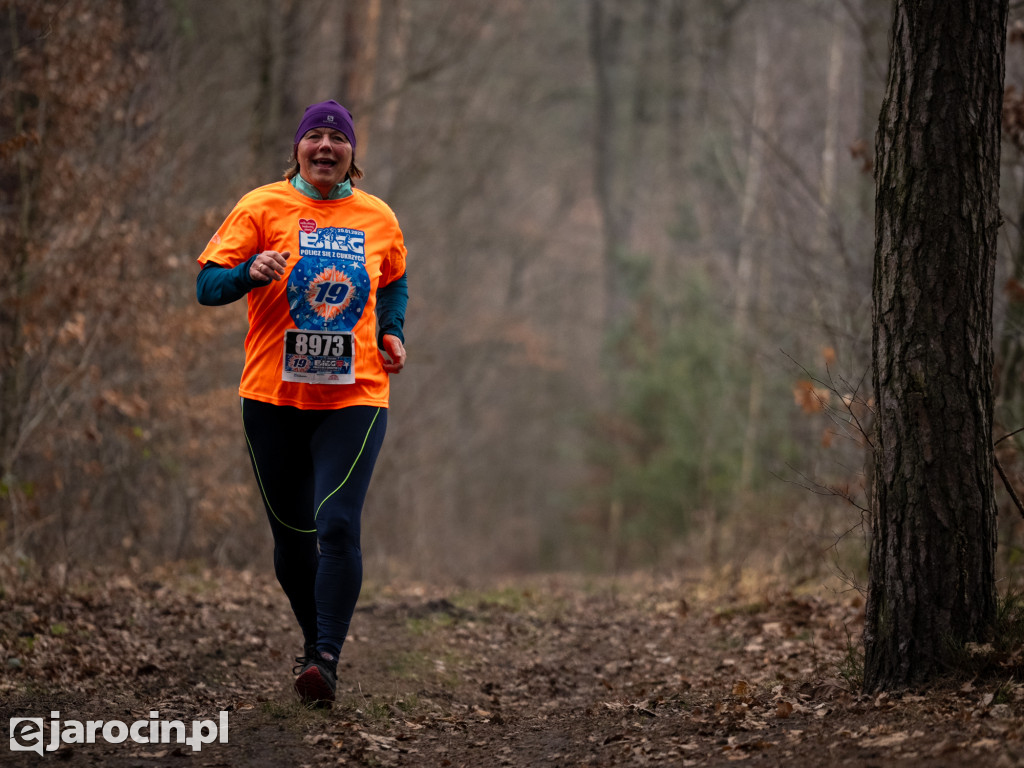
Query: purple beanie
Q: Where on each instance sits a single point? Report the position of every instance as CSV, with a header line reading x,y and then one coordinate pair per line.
x,y
327,114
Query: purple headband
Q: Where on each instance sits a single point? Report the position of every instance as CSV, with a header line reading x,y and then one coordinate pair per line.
x,y
327,114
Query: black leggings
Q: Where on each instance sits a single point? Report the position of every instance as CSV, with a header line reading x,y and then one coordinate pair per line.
x,y
313,469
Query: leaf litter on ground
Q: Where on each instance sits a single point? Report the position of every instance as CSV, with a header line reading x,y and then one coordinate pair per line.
x,y
558,670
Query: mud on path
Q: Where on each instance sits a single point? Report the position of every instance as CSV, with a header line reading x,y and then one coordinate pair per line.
x,y
554,671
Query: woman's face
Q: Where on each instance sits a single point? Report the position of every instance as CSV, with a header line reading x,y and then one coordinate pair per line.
x,y
324,156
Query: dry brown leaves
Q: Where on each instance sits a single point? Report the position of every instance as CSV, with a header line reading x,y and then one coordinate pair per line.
x,y
555,671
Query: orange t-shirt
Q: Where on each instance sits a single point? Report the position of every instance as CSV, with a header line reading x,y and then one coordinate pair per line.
x,y
315,327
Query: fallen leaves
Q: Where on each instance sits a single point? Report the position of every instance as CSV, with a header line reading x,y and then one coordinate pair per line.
x,y
887,740
635,673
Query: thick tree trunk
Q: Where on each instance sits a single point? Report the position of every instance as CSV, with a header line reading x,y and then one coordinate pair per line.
x,y
14,394
359,65
932,582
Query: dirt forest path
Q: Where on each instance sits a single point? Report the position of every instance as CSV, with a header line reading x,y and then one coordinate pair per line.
x,y
552,671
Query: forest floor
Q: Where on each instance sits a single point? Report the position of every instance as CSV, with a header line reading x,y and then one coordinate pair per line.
x,y
546,671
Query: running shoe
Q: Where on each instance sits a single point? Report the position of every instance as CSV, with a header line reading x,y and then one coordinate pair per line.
x,y
317,678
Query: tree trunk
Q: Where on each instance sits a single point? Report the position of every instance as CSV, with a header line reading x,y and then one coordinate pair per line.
x,y
359,64
753,269
931,576
270,62
397,19
13,294
605,29
830,144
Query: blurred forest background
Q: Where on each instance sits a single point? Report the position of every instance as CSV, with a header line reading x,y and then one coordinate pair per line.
x,y
640,247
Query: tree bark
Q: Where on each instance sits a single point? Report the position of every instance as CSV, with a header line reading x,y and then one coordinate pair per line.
x,y
605,32
359,64
931,575
753,265
834,97
14,261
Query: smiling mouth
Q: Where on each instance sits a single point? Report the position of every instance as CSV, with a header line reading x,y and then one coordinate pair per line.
x,y
324,162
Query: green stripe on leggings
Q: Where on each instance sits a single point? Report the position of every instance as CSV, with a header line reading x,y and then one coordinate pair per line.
x,y
259,480
358,456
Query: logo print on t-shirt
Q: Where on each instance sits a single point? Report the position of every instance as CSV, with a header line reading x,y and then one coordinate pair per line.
x,y
329,286
330,293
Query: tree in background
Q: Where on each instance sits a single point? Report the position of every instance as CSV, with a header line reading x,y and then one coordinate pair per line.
x,y
104,374
932,576
78,174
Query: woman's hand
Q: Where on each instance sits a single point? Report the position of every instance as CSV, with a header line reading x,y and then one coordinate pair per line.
x,y
268,266
393,353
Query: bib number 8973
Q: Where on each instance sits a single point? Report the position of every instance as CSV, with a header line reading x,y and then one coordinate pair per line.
x,y
328,344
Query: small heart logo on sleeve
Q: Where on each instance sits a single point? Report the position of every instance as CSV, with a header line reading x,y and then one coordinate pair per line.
x,y
307,225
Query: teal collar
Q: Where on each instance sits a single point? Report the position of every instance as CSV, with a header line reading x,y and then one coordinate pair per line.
x,y
344,189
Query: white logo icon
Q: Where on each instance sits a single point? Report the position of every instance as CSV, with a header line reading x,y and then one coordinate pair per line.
x,y
25,731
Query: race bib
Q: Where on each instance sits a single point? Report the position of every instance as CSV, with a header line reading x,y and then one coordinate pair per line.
x,y
328,289
318,357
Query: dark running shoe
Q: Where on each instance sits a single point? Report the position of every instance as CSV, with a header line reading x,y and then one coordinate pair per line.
x,y
316,679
